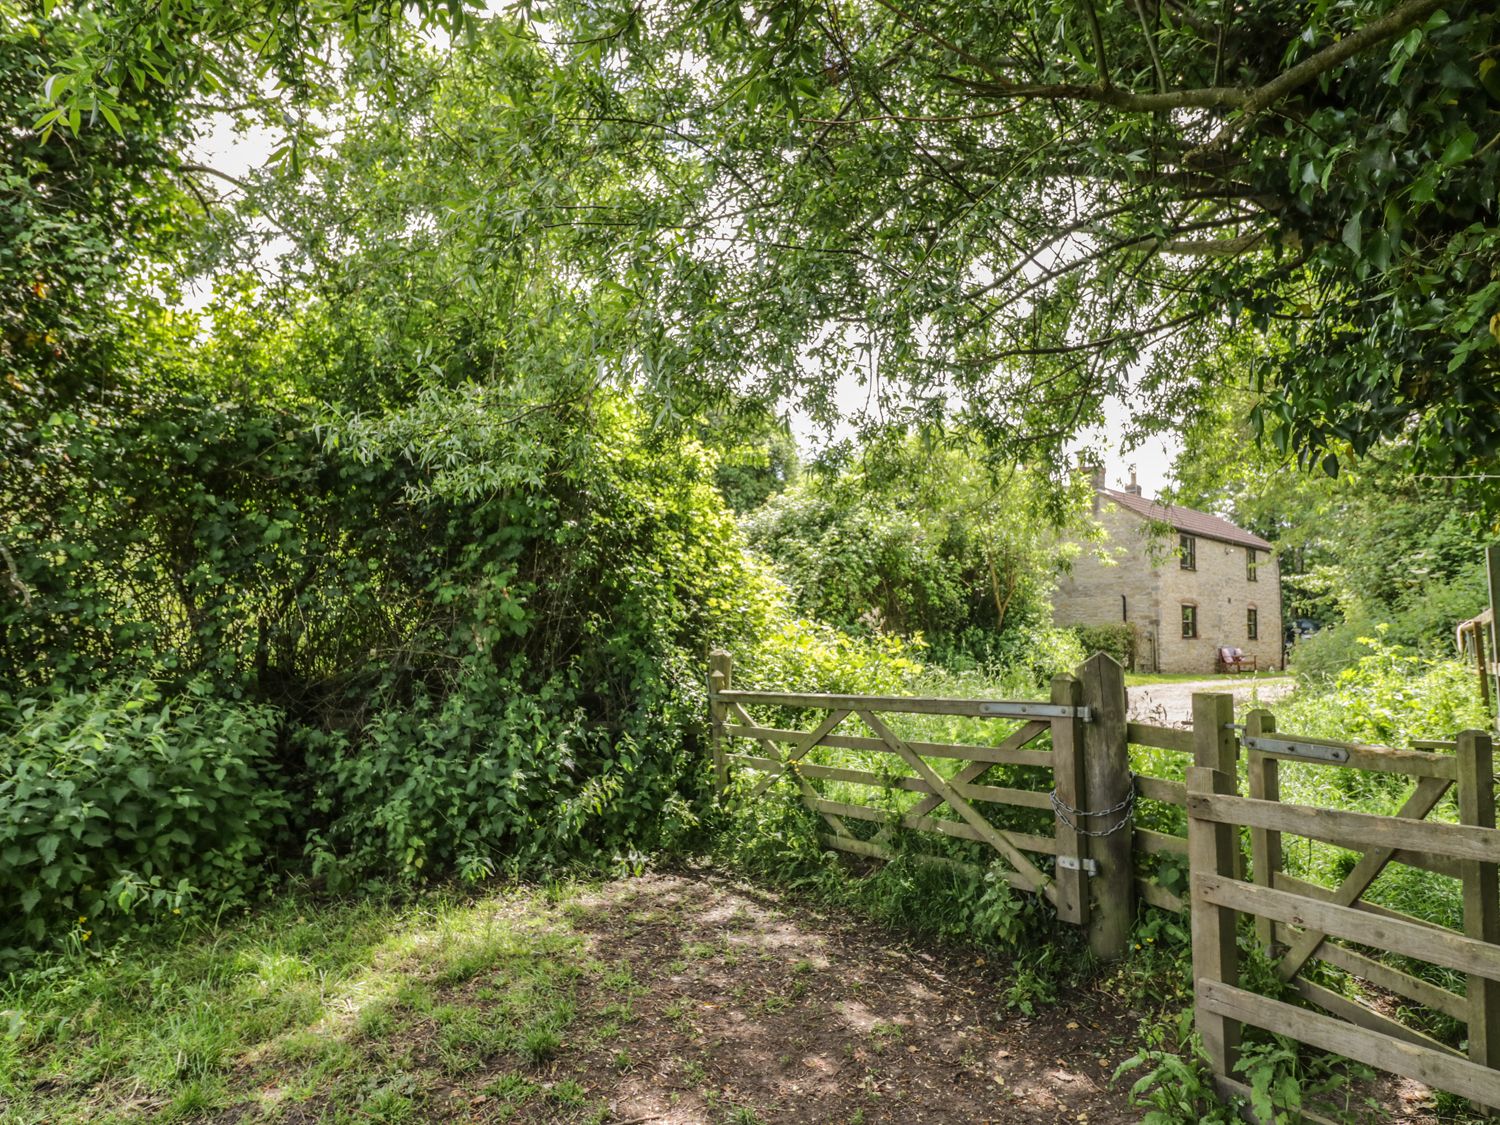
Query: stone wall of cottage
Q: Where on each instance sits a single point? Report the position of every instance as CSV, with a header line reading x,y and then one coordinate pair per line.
x,y
1220,588
1141,581
1118,588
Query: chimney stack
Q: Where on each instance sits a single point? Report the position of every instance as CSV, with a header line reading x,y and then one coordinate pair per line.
x,y
1133,488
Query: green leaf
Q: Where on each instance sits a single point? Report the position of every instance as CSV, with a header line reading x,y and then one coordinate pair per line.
x,y
1460,147
1354,232
46,847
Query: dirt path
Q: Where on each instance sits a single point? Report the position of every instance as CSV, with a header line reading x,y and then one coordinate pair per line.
x,y
748,1010
1171,705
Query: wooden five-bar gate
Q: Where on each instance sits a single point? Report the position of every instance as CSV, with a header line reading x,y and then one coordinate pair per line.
x,y
1082,823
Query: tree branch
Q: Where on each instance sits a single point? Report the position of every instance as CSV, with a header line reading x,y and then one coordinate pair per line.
x,y
1250,100
1102,64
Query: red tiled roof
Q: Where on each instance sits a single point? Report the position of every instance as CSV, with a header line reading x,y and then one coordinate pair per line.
x,y
1186,519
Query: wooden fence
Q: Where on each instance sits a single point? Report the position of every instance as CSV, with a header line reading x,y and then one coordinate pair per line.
x,y
1176,839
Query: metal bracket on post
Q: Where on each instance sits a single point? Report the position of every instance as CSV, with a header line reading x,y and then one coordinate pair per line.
x,y
1073,863
1294,748
1035,711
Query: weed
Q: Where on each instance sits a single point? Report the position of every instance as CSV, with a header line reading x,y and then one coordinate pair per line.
x,y
539,1043
568,1093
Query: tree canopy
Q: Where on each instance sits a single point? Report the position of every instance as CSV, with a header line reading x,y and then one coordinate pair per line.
x,y
1004,214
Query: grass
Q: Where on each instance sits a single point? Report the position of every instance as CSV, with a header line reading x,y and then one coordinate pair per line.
x,y
351,1011
1146,679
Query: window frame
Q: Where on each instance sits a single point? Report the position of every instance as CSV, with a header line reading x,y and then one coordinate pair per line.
x,y
1252,622
1252,565
1189,621
1187,551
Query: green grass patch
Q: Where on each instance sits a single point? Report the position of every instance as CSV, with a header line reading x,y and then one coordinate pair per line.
x,y
359,1009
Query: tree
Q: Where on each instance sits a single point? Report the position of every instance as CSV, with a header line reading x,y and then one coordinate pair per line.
x,y
915,539
997,212
1015,203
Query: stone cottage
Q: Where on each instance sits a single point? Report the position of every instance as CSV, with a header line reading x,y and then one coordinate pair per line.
x,y
1190,583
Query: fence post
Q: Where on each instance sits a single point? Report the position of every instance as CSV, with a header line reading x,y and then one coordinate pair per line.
x,y
1213,850
1492,573
720,678
1265,845
1068,785
1481,881
1108,784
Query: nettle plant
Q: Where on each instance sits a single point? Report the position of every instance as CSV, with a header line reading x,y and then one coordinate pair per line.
x,y
122,804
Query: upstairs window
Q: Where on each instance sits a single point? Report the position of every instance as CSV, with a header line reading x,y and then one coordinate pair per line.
x,y
1189,622
1252,623
1187,551
1251,565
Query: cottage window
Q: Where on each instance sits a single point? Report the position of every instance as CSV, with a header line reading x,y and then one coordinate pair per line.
x,y
1250,565
1189,622
1188,552
1252,623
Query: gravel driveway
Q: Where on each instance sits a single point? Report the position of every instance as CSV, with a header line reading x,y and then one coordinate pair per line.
x,y
1171,705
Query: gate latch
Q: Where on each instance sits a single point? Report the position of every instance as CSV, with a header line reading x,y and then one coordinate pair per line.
x,y
1073,863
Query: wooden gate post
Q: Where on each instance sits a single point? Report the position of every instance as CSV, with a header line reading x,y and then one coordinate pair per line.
x,y
1108,784
720,678
1213,850
1068,749
1492,573
1265,844
1481,882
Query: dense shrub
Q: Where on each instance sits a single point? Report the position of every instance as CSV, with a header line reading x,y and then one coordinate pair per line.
x,y
1387,696
927,544
1118,641
120,803
485,779
479,622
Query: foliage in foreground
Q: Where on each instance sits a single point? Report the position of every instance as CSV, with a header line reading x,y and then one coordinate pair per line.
x,y
120,804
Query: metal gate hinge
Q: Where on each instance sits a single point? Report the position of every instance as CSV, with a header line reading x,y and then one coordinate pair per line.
x,y
1296,748
1073,863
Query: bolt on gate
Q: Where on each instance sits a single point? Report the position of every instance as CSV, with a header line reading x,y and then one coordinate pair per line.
x,y
1077,737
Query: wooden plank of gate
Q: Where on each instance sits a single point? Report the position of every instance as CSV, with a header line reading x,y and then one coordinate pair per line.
x,y
1264,777
992,835
1356,1013
958,829
1158,843
1007,753
1443,1071
1023,798
1461,841
796,750
1213,848
1440,947
1160,789
901,704
1476,805
1424,799
1160,738
1383,976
